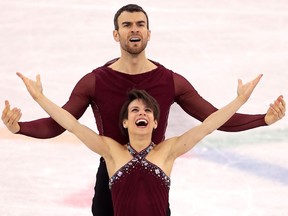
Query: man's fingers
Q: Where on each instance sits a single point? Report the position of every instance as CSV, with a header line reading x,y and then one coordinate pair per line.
x,y
5,110
12,117
15,115
280,99
18,117
278,109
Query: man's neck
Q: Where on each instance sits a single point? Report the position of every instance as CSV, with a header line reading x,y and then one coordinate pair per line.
x,y
133,65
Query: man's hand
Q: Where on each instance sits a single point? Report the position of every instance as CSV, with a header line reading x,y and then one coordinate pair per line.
x,y
11,118
276,111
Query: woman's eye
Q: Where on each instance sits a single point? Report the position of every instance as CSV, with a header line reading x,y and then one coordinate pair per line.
x,y
148,110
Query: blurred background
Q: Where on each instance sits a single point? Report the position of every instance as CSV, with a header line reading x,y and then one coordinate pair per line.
x,y
211,43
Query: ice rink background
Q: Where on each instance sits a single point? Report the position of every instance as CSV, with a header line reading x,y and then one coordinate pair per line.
x,y
211,43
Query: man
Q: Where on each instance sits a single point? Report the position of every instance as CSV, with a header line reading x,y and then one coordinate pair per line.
x,y
105,90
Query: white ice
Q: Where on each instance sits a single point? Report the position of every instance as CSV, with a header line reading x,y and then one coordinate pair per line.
x,y
211,43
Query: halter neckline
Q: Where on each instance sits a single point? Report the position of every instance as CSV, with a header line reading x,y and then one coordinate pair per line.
x,y
139,164
143,152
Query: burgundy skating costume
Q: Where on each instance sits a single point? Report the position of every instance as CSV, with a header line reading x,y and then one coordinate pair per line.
x,y
105,90
140,187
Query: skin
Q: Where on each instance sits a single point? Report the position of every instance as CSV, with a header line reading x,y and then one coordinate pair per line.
x,y
162,155
133,59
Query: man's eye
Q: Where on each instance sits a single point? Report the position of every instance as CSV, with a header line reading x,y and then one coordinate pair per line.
x,y
126,24
141,24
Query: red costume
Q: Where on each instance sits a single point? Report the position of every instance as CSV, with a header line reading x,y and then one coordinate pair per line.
x,y
106,90
140,187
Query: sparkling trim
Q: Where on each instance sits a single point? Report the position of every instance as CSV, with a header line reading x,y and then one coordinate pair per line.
x,y
140,160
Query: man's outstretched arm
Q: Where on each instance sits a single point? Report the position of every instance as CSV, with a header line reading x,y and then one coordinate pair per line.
x,y
46,127
196,106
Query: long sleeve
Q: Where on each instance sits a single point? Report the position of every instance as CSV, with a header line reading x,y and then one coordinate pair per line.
x,y
77,104
196,106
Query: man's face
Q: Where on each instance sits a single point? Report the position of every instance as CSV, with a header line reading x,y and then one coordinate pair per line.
x,y
133,33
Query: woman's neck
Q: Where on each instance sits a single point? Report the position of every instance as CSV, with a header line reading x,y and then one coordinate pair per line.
x,y
140,142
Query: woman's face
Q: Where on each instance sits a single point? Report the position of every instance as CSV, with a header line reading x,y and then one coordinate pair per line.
x,y
140,118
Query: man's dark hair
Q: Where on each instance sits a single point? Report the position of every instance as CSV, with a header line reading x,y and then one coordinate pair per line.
x,y
129,8
147,99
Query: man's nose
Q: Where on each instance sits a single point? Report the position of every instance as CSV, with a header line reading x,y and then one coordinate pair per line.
x,y
134,28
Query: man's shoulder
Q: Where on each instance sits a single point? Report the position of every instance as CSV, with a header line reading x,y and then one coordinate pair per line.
x,y
104,68
161,66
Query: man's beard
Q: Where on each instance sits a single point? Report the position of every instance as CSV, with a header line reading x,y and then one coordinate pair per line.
x,y
134,50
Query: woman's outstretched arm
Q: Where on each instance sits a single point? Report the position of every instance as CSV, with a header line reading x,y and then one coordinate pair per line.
x,y
92,140
188,140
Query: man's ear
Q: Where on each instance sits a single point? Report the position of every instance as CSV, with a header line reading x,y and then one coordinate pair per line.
x,y
116,35
149,35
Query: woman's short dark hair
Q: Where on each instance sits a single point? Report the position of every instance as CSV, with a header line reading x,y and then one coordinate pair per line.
x,y
147,99
129,8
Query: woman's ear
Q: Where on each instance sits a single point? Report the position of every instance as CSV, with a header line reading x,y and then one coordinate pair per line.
x,y
156,124
124,124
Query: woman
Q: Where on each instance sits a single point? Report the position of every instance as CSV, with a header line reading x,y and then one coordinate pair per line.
x,y
139,171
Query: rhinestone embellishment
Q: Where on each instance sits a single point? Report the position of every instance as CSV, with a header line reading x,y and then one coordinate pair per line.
x,y
139,159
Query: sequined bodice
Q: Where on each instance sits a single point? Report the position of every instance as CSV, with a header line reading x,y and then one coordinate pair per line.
x,y
139,162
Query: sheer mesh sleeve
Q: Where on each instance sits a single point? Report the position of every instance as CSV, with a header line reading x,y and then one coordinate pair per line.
x,y
193,104
77,104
